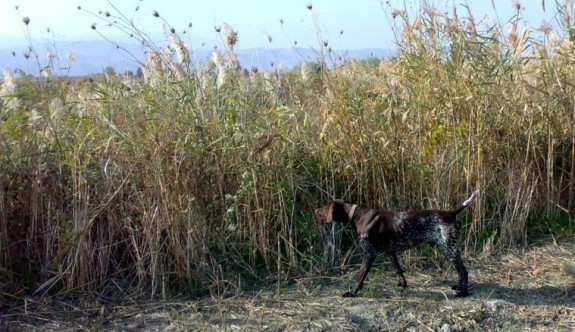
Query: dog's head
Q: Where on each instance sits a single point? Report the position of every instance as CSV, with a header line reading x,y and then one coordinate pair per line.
x,y
332,211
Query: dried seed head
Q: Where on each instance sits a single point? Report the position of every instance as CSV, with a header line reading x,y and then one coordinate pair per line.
x,y
554,40
397,12
310,7
156,66
517,5
46,72
156,14
79,7
566,19
230,36
512,33
70,57
165,29
181,50
222,78
93,26
218,59
26,20
545,27
50,54
306,71
234,62
9,84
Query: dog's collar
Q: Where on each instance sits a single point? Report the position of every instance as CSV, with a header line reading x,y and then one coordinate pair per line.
x,y
352,211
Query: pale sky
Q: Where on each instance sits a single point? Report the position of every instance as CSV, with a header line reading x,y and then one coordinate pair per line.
x,y
365,23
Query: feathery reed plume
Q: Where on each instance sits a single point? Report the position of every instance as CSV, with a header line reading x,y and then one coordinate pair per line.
x,y
177,71
230,36
156,64
50,54
181,49
70,57
8,89
306,71
46,72
512,33
220,65
9,84
218,59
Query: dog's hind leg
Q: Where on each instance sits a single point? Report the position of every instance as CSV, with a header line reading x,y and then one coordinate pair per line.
x,y
454,256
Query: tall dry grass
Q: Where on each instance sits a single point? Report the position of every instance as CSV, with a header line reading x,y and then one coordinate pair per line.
x,y
204,178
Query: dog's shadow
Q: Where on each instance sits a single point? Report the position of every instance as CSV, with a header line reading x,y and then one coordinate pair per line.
x,y
544,295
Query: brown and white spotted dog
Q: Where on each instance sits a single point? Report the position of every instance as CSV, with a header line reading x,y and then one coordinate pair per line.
x,y
395,232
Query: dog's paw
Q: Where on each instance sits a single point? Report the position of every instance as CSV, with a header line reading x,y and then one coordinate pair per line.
x,y
456,287
461,294
348,294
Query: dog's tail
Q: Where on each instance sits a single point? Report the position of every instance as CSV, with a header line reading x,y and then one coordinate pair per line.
x,y
466,203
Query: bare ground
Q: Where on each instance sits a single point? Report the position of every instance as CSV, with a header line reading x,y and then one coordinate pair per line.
x,y
517,290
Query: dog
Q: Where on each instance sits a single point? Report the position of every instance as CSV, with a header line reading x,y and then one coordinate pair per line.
x,y
395,232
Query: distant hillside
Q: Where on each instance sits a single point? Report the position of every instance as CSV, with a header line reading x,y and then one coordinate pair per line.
x,y
91,57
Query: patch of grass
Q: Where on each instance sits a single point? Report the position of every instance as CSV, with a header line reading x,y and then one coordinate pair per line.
x,y
557,224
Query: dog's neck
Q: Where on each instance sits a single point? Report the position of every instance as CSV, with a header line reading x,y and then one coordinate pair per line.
x,y
351,211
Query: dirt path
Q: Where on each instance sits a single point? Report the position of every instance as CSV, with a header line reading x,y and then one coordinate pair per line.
x,y
519,290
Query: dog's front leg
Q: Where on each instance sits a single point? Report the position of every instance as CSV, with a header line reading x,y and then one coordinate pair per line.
x,y
369,255
400,277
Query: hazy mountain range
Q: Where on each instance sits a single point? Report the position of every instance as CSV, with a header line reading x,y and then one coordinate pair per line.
x,y
93,56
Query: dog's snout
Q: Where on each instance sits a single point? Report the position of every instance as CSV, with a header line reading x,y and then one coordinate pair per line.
x,y
319,213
